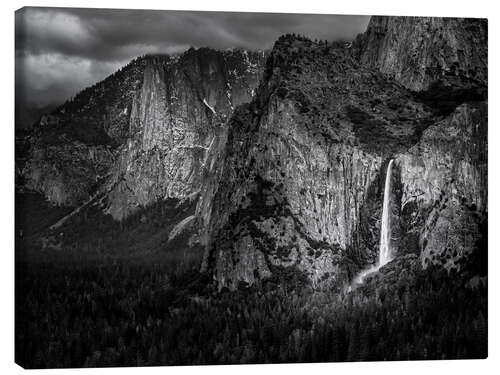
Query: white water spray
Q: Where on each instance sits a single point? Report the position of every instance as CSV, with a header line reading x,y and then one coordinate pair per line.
x,y
385,253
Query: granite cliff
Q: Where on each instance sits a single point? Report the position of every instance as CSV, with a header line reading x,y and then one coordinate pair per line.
x,y
284,154
444,187
175,119
420,51
142,134
304,162
300,163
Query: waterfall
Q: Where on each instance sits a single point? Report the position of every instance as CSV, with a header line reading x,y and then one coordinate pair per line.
x,y
385,255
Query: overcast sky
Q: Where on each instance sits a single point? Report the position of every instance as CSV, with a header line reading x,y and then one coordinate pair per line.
x,y
60,51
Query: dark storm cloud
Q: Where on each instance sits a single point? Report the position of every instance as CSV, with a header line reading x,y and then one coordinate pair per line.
x,y
61,50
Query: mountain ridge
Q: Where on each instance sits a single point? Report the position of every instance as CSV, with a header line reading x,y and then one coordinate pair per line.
x,y
101,122
251,229
284,152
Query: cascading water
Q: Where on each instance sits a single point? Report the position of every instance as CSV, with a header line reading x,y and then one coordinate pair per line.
x,y
385,254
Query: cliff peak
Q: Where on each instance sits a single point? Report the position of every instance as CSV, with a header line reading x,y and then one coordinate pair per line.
x,y
303,166
419,51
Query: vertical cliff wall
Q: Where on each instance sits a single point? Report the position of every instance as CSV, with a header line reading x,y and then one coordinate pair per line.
x,y
445,187
443,178
142,134
419,51
288,174
302,167
301,162
175,120
72,149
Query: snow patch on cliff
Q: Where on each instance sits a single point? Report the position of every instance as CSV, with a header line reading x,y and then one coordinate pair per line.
x,y
208,106
181,227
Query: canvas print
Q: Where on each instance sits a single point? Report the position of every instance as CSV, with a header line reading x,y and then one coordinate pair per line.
x,y
239,188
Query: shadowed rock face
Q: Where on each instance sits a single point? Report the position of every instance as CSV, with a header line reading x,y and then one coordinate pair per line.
x,y
174,121
290,184
72,150
418,51
302,172
143,133
67,174
444,179
300,162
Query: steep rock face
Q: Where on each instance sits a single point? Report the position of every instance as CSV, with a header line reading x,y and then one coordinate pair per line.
x,y
68,174
300,163
444,179
419,51
291,184
174,121
142,134
72,149
441,182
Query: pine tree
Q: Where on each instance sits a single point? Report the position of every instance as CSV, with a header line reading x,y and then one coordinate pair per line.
x,y
353,349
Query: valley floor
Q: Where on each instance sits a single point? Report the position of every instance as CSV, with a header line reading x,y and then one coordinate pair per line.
x,y
77,308
129,313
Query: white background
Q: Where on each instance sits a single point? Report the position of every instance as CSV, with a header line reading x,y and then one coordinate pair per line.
x,y
471,8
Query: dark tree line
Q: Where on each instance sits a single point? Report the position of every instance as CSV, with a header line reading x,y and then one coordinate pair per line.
x,y
122,313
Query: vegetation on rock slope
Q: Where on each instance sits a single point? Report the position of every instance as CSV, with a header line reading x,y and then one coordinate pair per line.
x,y
148,312
102,293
